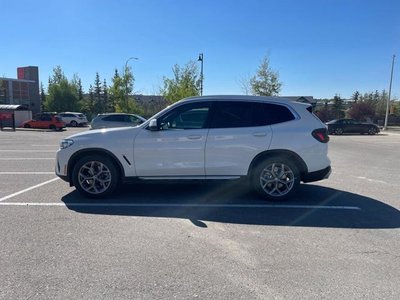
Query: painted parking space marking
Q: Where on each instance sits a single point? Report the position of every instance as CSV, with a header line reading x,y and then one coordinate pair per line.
x,y
26,173
28,158
195,205
29,189
28,150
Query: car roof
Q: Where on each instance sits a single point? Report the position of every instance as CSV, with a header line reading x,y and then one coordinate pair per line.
x,y
266,99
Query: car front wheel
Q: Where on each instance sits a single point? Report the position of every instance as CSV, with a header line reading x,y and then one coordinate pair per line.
x,y
276,178
338,131
95,176
74,123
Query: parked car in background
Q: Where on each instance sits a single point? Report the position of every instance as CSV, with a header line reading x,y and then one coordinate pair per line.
x,y
273,143
342,126
45,121
116,120
73,119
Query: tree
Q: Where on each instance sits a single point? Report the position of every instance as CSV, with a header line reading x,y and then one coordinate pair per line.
x,y
42,97
116,91
98,105
355,96
184,83
107,104
266,81
120,90
362,111
337,107
62,95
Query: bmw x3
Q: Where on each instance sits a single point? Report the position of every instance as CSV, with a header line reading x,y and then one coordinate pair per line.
x,y
272,142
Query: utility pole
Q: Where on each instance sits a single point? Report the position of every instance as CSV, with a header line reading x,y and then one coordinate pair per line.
x,y
201,73
388,100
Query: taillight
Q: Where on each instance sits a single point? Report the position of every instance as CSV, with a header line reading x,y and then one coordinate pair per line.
x,y
321,135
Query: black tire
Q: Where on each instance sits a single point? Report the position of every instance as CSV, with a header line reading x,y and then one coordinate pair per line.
x,y
95,167
276,186
52,127
27,126
338,131
371,131
73,123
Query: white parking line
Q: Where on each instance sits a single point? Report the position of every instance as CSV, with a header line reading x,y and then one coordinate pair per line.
x,y
112,204
44,145
27,150
28,158
28,189
26,173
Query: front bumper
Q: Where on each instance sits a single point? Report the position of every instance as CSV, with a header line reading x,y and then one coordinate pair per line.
x,y
317,175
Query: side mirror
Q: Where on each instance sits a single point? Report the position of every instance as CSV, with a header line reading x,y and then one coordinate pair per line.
x,y
153,125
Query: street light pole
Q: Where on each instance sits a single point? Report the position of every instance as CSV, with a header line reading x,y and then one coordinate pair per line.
x,y
126,80
201,73
388,100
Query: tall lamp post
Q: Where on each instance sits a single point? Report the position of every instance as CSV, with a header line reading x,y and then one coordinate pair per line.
x,y
126,80
388,100
201,73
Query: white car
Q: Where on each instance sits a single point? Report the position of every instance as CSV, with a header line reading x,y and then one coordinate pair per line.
x,y
275,143
73,119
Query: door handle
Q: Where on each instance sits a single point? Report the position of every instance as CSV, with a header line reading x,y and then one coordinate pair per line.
x,y
260,134
194,137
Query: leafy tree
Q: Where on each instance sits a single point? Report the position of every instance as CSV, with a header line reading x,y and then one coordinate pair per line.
x,y
266,81
120,91
62,95
362,111
184,83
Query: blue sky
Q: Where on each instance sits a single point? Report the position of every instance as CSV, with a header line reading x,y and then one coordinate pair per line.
x,y
319,48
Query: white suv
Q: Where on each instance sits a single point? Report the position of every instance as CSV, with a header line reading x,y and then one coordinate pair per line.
x,y
73,119
275,143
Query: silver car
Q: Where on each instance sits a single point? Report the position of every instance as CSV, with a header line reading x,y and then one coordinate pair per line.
x,y
116,120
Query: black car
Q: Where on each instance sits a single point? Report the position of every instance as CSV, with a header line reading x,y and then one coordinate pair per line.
x,y
341,126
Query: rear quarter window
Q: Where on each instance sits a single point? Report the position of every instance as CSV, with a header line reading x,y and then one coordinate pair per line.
x,y
269,114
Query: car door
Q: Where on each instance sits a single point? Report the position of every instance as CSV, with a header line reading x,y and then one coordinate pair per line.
x,y
237,134
177,148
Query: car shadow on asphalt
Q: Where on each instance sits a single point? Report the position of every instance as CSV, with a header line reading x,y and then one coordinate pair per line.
x,y
232,202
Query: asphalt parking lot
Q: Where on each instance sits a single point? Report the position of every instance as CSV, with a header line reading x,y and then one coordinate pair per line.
x,y
336,239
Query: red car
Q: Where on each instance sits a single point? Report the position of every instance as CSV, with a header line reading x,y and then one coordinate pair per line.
x,y
45,121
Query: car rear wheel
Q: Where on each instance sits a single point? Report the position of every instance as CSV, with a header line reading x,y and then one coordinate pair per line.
x,y
73,123
338,131
276,178
95,176
371,131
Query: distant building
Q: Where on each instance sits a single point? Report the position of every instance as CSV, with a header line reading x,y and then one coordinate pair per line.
x,y
24,90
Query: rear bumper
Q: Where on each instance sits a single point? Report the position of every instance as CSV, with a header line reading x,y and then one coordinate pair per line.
x,y
317,175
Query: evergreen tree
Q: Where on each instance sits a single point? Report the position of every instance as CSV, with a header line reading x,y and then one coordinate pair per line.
x,y
337,107
42,97
107,103
355,96
97,91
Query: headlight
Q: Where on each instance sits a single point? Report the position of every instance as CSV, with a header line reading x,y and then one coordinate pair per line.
x,y
65,143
